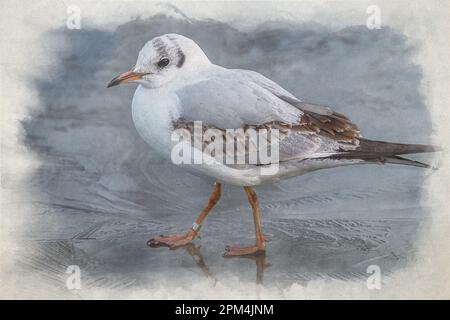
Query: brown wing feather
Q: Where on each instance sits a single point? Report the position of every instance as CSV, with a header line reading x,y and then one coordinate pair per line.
x,y
333,126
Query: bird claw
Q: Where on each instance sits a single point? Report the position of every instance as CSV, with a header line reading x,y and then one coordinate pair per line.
x,y
172,241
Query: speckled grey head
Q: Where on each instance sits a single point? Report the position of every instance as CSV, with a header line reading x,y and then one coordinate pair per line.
x,y
164,59
167,57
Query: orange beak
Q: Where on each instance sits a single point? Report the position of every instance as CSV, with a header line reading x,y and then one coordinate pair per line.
x,y
126,77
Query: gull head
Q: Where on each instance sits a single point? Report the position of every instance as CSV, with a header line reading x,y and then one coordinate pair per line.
x,y
164,59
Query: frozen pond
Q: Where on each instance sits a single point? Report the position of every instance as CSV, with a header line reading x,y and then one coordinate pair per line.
x,y
101,193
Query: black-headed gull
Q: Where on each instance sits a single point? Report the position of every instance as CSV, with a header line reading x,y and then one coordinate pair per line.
x,y
179,89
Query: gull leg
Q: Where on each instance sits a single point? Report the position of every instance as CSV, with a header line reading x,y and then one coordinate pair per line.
x,y
183,239
260,246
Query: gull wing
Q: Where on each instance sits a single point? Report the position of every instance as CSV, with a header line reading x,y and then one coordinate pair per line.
x,y
292,142
232,102
244,99
288,97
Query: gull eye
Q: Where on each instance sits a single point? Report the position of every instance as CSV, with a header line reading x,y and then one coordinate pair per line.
x,y
163,62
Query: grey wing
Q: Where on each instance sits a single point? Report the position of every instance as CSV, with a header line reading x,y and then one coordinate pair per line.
x,y
256,141
232,102
245,99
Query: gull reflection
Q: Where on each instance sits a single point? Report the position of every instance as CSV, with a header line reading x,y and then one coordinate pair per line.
x,y
195,252
261,265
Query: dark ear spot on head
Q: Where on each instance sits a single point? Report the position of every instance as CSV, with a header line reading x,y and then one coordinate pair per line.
x,y
181,58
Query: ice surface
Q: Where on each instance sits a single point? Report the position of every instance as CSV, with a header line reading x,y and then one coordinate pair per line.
x,y
101,193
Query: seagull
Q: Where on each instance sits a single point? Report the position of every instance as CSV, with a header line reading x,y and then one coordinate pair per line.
x,y
179,88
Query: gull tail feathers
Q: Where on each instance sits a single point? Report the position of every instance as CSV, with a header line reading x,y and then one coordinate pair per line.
x,y
388,148
404,161
373,151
